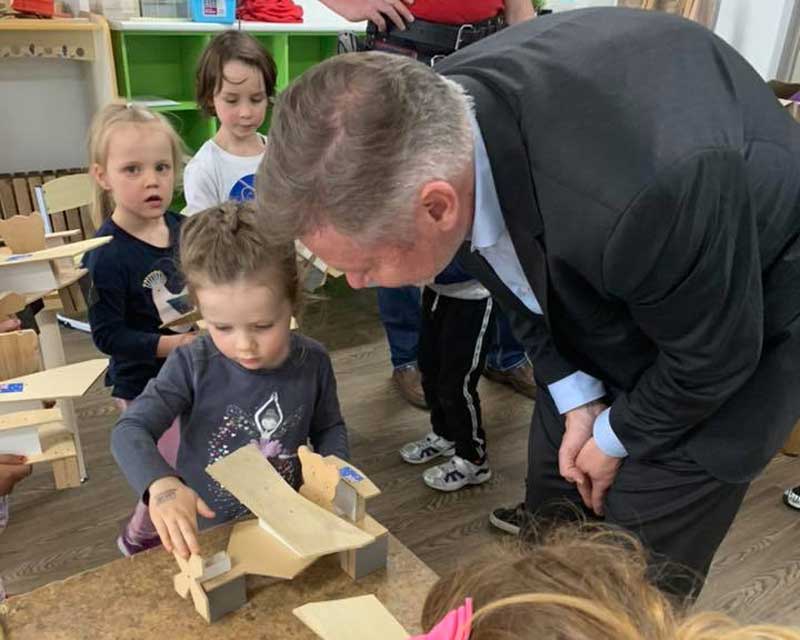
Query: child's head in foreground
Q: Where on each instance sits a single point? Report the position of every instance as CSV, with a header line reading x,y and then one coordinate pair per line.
x,y
245,287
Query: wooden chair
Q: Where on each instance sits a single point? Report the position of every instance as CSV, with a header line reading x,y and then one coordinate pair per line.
x,y
20,357
65,206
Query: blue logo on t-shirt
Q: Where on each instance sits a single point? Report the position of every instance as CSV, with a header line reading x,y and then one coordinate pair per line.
x,y
243,188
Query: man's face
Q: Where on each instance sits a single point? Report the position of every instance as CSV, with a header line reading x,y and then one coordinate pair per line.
x,y
440,227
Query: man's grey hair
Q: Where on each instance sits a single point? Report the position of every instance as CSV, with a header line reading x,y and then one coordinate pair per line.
x,y
353,140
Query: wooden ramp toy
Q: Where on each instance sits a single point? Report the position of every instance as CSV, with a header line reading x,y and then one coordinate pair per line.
x,y
360,618
291,530
299,524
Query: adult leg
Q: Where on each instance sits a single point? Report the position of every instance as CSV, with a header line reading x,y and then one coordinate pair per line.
x,y
680,513
506,362
399,310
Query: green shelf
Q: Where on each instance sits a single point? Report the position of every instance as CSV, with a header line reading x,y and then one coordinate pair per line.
x,y
162,63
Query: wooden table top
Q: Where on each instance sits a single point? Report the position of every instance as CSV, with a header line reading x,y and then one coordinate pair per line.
x,y
134,598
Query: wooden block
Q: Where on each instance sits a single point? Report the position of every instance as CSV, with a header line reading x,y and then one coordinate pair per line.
x,y
200,599
792,444
181,583
358,563
19,354
69,381
229,595
320,477
356,478
66,473
261,554
298,523
360,618
23,234
349,503
203,569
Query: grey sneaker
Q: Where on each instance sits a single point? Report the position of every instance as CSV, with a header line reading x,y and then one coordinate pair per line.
x,y
456,474
430,447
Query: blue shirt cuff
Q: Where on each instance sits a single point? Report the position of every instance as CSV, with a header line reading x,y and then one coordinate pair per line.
x,y
607,441
575,390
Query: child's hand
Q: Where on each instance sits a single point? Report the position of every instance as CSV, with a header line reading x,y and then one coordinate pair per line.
x,y
173,510
12,470
168,344
9,324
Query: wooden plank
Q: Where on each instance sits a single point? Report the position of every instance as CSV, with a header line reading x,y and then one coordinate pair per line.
x,y
29,418
261,554
306,528
68,192
21,195
58,221
8,205
19,354
69,381
54,253
357,618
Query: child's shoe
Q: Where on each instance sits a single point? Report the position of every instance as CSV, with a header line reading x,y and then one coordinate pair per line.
x,y
456,473
791,498
430,447
129,548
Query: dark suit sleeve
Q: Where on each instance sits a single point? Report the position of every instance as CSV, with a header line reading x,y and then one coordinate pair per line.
x,y
684,257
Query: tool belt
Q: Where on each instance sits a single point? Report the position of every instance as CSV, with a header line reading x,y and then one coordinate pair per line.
x,y
428,41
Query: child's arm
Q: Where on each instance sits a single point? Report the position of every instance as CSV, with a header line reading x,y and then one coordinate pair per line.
x,y
199,189
107,318
328,432
173,505
12,470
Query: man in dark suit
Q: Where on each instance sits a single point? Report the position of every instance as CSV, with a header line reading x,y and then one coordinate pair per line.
x,y
629,190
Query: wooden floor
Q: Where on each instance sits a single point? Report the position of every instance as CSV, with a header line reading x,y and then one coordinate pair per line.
x,y
53,534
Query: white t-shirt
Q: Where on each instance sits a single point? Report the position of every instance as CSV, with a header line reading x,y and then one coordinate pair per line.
x,y
214,176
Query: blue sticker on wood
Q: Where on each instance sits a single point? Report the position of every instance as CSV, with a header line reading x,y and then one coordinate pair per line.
x,y
350,474
18,256
11,387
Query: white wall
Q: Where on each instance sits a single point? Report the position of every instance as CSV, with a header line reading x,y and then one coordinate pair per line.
x,y
45,108
757,30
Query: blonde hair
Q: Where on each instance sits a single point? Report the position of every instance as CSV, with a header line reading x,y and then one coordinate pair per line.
x,y
579,584
354,139
103,125
225,244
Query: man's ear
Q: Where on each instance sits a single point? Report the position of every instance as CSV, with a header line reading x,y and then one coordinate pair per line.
x,y
99,174
440,204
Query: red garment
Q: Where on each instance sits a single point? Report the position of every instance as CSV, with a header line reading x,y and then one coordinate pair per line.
x,y
456,11
269,11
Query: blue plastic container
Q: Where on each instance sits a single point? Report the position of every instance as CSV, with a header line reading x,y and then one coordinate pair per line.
x,y
213,10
